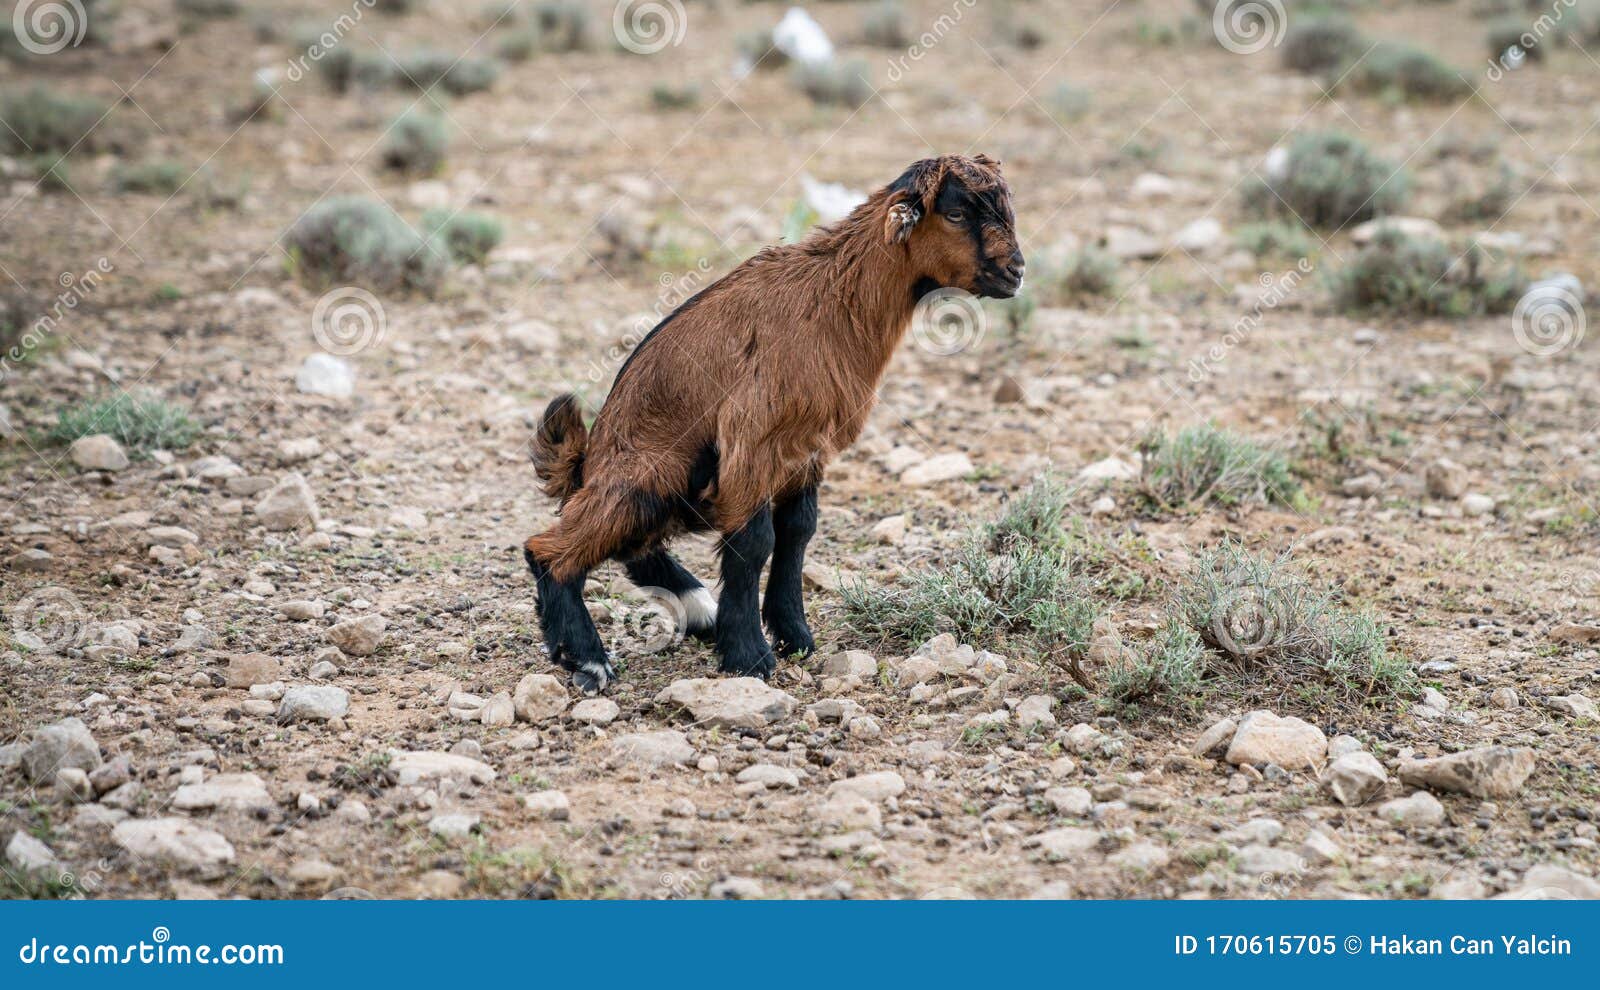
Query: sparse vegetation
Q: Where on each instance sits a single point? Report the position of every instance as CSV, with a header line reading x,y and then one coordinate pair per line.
x,y
1328,180
39,121
1506,40
1088,273
416,142
139,423
667,96
884,25
1275,239
467,237
1408,276
205,10
1066,102
756,47
457,75
163,177
1170,666
1201,464
1320,45
846,84
351,239
565,25
1401,72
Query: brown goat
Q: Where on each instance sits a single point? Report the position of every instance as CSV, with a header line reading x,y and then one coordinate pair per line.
x,y
726,414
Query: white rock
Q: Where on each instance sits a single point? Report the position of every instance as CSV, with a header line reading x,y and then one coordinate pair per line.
x,y
414,767
1110,469
851,663
551,805
539,697
1474,504
1074,801
1355,778
1486,772
1064,843
453,825
98,452
226,792
314,703
730,703
596,711
802,38
769,775
1413,227
1215,738
944,467
499,711
1421,809
876,787
66,743
288,505
359,637
1035,711
324,374
174,840
29,855
1288,742
652,749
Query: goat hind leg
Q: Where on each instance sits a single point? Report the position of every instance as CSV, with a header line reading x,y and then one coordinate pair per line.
x,y
740,641
659,571
794,521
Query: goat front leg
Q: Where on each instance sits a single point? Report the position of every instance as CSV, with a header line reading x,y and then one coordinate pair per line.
x,y
740,641
569,632
794,521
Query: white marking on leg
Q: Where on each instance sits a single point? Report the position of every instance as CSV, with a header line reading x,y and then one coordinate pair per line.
x,y
699,609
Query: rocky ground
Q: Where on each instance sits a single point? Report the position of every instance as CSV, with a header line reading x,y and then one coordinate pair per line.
x,y
299,658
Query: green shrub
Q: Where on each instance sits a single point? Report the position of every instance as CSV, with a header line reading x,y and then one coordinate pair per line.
x,y
415,143
566,25
1329,180
1170,666
846,84
207,9
884,25
756,47
1276,632
427,68
149,177
467,237
1402,72
1484,202
1202,464
667,96
40,120
1415,277
521,44
52,172
1320,46
351,239
1089,273
141,424
343,67
1066,102
1275,239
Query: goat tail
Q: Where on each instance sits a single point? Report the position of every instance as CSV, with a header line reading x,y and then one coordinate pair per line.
x,y
558,447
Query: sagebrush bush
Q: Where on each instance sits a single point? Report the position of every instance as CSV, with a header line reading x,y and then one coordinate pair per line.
x,y
148,177
343,67
521,44
352,239
884,25
1066,102
208,9
1275,239
1400,71
846,84
756,47
1480,201
670,96
1409,276
1275,631
1170,666
467,237
458,76
1320,45
1329,180
140,423
39,121
415,144
566,25
52,172
1207,464
1087,274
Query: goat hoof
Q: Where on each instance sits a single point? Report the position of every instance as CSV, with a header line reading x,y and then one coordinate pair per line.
x,y
760,665
591,678
795,643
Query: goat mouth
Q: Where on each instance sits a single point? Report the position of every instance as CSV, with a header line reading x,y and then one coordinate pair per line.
x,y
1000,286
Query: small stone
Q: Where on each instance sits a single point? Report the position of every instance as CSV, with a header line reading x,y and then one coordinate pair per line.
x,y
548,805
1355,778
1362,486
539,697
851,663
302,611
1474,504
1215,738
1420,809
652,749
297,450
1063,843
353,811
1073,801
1287,742
499,711
1034,710
288,505
72,784
98,452
1320,849
891,530
729,703
1574,632
314,703
1446,479
934,470
359,637
768,775
1255,831
325,374
1258,860
864,727
1340,745
736,889
33,561
322,670
1433,699
66,743
1505,698
110,775
1110,469
1575,705
227,792
1486,772
174,840
453,825
1145,857
313,873
875,787
415,767
596,711
29,855
1549,882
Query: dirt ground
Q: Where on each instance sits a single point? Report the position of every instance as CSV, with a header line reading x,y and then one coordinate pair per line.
x,y
425,493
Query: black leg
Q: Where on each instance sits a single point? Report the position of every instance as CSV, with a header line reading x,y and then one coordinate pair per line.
x,y
569,633
793,523
740,640
661,571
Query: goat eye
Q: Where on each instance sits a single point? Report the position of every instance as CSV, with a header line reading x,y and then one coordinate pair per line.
x,y
955,216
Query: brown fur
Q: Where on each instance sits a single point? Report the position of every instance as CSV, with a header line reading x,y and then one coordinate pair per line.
x,y
776,364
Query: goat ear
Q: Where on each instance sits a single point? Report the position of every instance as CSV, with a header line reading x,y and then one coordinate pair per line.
x,y
986,161
901,219
910,198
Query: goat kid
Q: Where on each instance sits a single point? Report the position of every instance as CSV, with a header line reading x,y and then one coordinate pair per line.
x,y
725,415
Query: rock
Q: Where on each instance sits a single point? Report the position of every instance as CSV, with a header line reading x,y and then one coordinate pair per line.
x,y
1152,185
1215,738
415,767
499,711
173,840
1198,236
548,805
1549,882
944,467
453,825
1034,710
1575,705
1258,860
1446,479
1287,742
359,637
314,873
864,727
652,749
245,669
1255,831
353,811
1130,242
98,452
298,450
1420,228
28,855
539,697
111,775
66,743
875,787
1505,698
1145,857
729,703
891,530
768,775
1074,801
851,663
1486,772
1355,778
33,561
1320,849
1474,504
1362,486
841,710
737,888
1574,632
288,505
324,374
1420,809
1063,843
314,703
302,611
1110,469
1435,700
226,792
849,812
